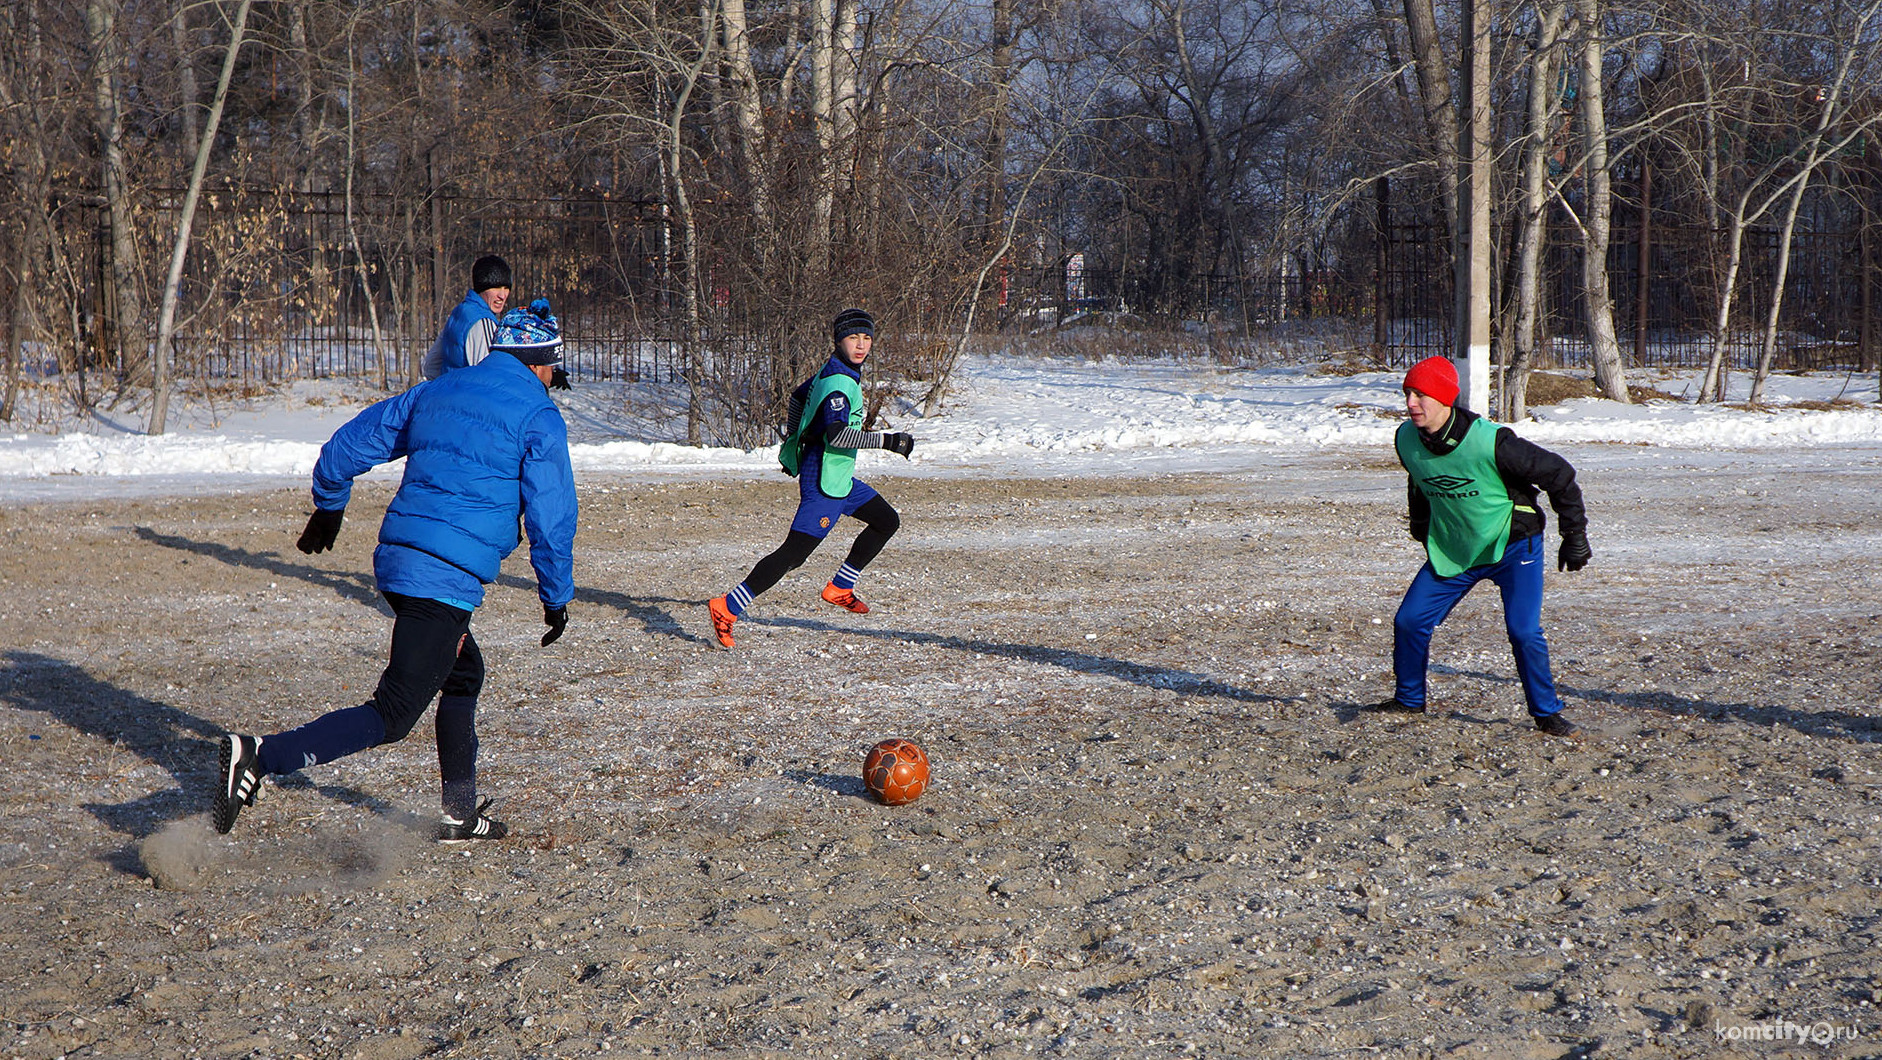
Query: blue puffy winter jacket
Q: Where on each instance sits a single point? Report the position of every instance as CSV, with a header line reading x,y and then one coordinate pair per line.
x,y
482,445
464,339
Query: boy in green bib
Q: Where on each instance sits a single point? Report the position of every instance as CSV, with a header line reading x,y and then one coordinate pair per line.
x,y
823,432
1471,487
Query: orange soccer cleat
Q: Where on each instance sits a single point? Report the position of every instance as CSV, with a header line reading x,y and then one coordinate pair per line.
x,y
722,620
845,598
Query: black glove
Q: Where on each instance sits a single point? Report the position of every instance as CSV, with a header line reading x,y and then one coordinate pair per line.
x,y
557,619
902,444
1575,552
322,527
559,379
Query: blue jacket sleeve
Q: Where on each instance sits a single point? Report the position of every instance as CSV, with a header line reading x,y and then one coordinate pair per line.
x,y
369,439
833,417
549,507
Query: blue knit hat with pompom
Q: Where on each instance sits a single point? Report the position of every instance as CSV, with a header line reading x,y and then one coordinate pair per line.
x,y
530,334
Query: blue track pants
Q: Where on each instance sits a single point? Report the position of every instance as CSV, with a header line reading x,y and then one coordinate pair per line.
x,y
1430,600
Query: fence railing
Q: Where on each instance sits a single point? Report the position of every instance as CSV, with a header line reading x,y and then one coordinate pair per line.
x,y
285,284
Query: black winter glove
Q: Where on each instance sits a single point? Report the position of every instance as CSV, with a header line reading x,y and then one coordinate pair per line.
x,y
902,444
1575,553
559,379
557,619
322,527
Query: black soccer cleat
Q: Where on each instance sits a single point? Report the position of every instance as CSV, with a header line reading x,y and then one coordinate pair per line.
x,y
240,776
1393,706
1556,725
479,826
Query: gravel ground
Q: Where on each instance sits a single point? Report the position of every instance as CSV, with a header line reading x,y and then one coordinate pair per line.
x,y
1159,824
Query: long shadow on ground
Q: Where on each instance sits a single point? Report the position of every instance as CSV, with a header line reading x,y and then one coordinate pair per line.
x,y
355,586
358,587
175,740
1835,724
1183,682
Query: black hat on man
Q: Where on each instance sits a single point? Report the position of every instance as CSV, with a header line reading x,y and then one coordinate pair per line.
x,y
852,322
490,271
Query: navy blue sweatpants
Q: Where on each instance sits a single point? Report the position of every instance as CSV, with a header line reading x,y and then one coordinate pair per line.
x,y
432,652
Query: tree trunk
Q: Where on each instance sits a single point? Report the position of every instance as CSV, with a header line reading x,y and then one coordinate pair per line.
x,y
999,120
672,157
823,123
185,78
1535,223
1768,347
408,314
25,121
794,47
166,322
127,342
1434,86
1712,384
1604,346
753,143
843,95
306,127
352,227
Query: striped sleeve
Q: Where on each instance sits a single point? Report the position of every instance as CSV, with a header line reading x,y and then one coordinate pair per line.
x,y
851,438
477,341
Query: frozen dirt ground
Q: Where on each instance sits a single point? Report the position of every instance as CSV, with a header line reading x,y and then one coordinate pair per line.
x,y
1159,825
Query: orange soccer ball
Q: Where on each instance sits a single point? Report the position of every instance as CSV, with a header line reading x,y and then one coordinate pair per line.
x,y
896,772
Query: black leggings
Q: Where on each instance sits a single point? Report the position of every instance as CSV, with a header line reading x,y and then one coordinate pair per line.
x,y
882,523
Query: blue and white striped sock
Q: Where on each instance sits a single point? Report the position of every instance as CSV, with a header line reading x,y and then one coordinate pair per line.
x,y
846,576
738,600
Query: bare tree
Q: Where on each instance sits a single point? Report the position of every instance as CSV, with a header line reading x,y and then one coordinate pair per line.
x,y
1595,223
186,90
1819,145
32,128
833,106
166,321
1440,108
1540,125
106,54
752,139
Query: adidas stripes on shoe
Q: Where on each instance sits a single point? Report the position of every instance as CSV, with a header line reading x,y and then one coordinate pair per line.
x,y
479,826
240,777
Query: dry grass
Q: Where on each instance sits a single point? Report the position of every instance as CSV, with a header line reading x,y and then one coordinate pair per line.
x,y
1552,388
1834,405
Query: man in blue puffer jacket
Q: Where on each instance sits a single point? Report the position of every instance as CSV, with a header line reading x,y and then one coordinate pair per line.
x,y
465,337
483,447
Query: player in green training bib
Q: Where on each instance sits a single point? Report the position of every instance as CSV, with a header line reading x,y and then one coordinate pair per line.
x,y
1471,488
822,433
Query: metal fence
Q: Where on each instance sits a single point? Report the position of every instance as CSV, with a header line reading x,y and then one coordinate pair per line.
x,y
283,284
1664,284
279,281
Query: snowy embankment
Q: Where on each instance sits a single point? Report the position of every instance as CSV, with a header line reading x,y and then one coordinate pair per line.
x,y
1037,414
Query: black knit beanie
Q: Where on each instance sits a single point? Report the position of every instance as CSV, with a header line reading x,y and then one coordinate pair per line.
x,y
852,322
490,271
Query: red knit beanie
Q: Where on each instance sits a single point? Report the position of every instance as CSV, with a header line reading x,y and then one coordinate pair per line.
x,y
1434,377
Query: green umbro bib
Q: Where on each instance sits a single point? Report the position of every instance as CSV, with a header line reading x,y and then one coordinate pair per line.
x,y
839,464
1470,506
